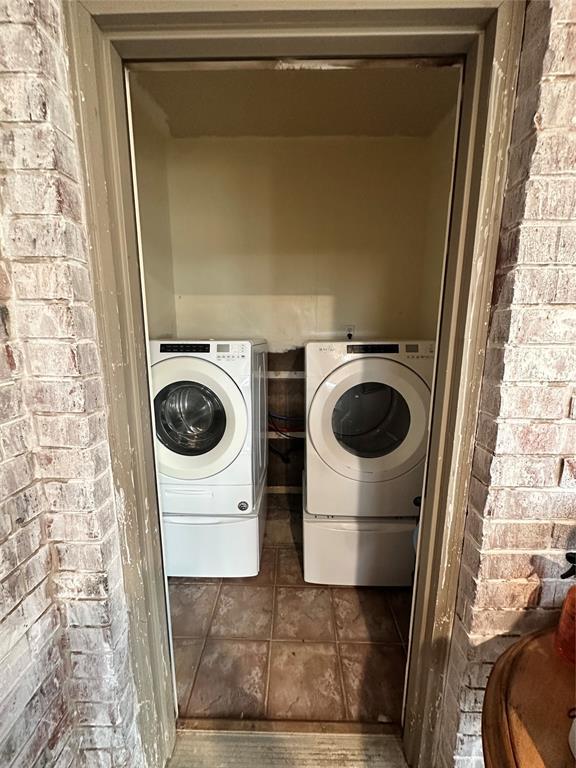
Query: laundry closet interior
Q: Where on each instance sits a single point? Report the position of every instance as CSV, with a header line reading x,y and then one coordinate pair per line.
x,y
293,219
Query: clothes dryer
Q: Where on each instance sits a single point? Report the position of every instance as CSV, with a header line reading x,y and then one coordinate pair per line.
x,y
366,440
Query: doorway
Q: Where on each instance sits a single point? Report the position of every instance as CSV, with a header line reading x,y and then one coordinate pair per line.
x,y
299,202
103,38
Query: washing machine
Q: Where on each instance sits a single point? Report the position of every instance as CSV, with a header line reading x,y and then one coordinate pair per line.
x,y
367,407
209,404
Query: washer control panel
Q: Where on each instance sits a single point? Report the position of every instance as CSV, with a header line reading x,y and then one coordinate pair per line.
x,y
231,350
185,348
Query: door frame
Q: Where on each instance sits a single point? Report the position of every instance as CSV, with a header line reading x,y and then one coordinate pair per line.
x,y
486,34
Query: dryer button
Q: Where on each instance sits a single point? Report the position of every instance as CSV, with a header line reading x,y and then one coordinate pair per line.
x,y
243,506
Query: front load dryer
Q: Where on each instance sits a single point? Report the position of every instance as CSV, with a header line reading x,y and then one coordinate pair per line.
x,y
209,404
367,407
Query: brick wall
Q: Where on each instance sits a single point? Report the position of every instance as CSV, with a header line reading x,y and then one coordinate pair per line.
x,y
521,515
66,692
64,662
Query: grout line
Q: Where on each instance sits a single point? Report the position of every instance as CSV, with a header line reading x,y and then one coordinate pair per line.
x,y
209,624
405,640
269,661
338,656
395,620
276,640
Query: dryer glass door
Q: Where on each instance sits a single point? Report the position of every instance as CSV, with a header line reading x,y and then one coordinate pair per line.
x,y
190,418
371,419
368,419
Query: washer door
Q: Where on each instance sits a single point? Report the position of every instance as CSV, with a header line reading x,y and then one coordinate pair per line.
x,y
369,419
200,415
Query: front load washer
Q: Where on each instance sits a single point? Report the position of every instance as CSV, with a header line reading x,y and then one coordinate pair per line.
x,y
367,406
209,404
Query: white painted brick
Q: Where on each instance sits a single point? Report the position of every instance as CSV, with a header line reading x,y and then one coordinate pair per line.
x,y
73,463
526,401
29,11
19,547
42,281
5,281
566,289
11,360
470,746
566,253
98,674
40,192
24,506
521,565
568,473
97,758
62,358
80,526
24,98
24,617
551,325
516,534
526,471
521,437
21,49
37,146
516,622
74,556
71,430
24,579
15,437
63,396
525,503
554,153
58,320
553,592
84,495
564,534
531,364
507,595
46,663
73,586
93,613
560,57
550,198
43,238
11,400
17,473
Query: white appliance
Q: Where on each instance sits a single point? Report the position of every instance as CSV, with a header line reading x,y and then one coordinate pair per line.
x,y
209,402
367,406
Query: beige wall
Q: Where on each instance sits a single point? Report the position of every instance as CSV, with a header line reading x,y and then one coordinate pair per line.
x,y
295,238
150,141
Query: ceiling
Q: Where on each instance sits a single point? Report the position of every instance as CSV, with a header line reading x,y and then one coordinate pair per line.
x,y
378,101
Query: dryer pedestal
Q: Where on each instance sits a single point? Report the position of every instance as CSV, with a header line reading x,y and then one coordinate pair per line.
x,y
373,552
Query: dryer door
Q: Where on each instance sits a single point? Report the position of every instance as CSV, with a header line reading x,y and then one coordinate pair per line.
x,y
200,415
369,419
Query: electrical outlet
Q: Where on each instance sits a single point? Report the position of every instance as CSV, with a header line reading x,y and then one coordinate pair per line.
x,y
349,331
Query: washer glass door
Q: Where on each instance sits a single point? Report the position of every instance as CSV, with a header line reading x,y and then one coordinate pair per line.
x,y
190,418
201,417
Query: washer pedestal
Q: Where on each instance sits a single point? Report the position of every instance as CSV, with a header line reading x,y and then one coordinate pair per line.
x,y
214,545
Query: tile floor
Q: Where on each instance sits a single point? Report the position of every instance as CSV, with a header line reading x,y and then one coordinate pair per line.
x,y
274,648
